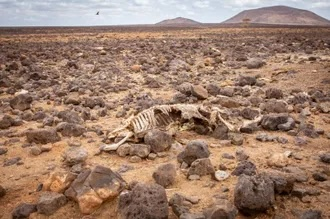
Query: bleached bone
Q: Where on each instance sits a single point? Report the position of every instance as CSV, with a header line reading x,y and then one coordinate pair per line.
x,y
163,115
113,147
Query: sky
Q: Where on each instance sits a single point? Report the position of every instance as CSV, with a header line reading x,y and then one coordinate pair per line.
x,y
122,12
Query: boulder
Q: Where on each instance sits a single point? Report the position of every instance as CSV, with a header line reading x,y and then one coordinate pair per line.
x,y
6,121
143,201
140,150
21,102
222,208
91,102
245,167
200,92
159,141
201,167
254,63
220,132
254,193
2,191
42,136
23,210
50,202
93,187
325,157
59,181
275,122
194,150
70,129
75,155
70,117
165,175
246,80
274,93
311,214
248,113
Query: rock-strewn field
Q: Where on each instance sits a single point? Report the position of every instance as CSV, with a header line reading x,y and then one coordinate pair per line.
x,y
62,90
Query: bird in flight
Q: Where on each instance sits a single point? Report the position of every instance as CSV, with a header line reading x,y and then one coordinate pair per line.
x,y
97,13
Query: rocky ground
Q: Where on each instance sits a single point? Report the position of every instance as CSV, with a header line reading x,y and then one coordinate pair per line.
x,y
62,91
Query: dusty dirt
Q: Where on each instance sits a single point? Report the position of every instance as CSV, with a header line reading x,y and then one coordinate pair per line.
x,y
285,51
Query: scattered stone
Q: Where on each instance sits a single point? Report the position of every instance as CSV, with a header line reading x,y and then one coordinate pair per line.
x,y
302,192
283,183
2,191
21,102
123,150
275,122
213,89
59,181
42,136
248,113
241,155
135,159
35,150
320,177
220,132
311,214
199,91
254,63
247,80
201,167
12,161
46,147
245,167
300,141
275,106
227,156
192,216
274,93
93,187
50,202
324,107
298,174
3,150
222,208
278,160
194,177
220,175
325,158
165,175
236,139
140,150
254,193
6,121
143,201
70,129
194,150
92,102
70,117
75,155
152,156
263,137
159,141
23,210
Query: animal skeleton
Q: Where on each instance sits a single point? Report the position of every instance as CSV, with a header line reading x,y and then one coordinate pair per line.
x,y
164,115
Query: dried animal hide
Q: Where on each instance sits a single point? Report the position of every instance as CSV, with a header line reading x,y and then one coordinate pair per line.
x,y
162,116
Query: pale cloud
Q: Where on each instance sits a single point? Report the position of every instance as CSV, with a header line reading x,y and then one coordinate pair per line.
x,y
201,4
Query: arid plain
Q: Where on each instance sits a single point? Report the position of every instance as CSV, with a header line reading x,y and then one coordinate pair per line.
x,y
63,89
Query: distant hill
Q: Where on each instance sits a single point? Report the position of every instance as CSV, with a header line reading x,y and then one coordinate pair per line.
x,y
179,21
281,15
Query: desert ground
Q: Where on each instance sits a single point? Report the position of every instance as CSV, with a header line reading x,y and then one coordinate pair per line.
x,y
84,82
